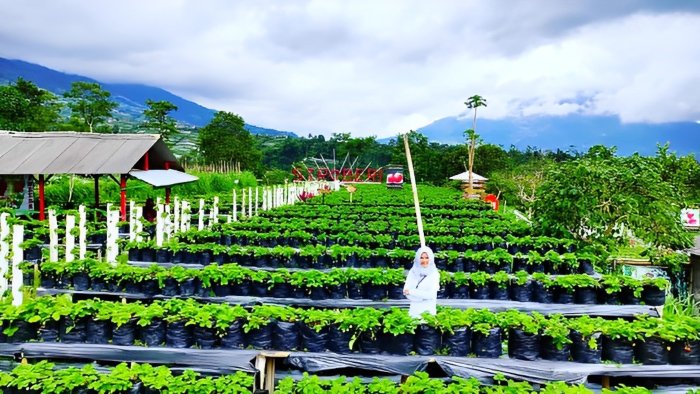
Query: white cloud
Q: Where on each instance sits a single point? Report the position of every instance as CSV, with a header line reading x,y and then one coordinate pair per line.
x,y
377,68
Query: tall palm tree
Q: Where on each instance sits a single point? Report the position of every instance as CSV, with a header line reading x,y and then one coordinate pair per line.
x,y
473,102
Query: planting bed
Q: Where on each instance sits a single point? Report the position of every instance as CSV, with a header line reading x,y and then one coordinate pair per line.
x,y
344,265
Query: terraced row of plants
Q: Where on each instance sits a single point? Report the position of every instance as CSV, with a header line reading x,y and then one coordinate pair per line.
x,y
337,283
184,323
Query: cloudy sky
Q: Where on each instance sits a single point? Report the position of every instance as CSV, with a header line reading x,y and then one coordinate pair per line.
x,y
378,67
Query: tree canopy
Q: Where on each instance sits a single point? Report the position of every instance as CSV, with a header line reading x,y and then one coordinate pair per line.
x,y
157,119
90,105
226,140
26,107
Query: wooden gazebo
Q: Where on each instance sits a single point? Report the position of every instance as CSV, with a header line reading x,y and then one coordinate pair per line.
x,y
44,154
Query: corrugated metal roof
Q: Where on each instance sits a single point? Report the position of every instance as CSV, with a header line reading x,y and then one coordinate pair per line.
x,y
163,178
79,153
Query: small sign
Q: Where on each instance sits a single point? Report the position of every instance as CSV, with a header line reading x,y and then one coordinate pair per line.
x,y
690,218
351,189
394,177
646,272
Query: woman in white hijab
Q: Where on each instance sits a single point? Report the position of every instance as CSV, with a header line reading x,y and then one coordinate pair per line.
x,y
422,283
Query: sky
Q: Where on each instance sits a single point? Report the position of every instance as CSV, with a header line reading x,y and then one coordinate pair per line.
x,y
378,67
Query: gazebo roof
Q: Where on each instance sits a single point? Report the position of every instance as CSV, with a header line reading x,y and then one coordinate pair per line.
x,y
24,153
465,177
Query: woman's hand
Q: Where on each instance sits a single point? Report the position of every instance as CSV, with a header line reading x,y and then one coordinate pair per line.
x,y
406,292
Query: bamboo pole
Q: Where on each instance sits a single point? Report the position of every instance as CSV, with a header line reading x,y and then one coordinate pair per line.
x,y
416,204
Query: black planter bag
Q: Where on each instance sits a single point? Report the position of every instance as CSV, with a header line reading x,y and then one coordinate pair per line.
x,y
298,292
241,288
480,293
163,256
585,267
205,257
441,264
458,344
221,290
354,290
534,268
190,257
499,293
48,281
317,293
618,350
652,295
260,338
187,287
98,331
134,254
201,290
562,296
148,255
98,284
124,335
586,295
459,292
313,341
337,292
285,335
131,287
628,297
76,334
170,288
609,298
369,345
487,267
548,268
581,353
505,267
81,281
487,345
470,265
519,264
233,337
258,289
219,258
652,351
521,293
280,290
398,345
49,331
443,292
61,282
204,337
685,353
375,292
523,346
153,334
149,287
32,254
178,335
339,341
178,257
426,340
549,351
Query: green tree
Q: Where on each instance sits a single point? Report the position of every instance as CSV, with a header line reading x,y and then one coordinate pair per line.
x,y
225,139
157,119
90,105
473,102
601,196
26,107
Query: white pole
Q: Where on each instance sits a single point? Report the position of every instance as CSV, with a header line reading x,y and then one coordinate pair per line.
x,y
132,220
185,219
176,215
112,235
160,223
200,225
416,204
70,238
82,232
243,205
250,201
17,257
215,211
256,201
235,207
53,236
168,222
138,214
4,251
264,199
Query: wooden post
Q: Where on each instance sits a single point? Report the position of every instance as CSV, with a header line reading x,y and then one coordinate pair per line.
x,y
17,257
416,204
4,251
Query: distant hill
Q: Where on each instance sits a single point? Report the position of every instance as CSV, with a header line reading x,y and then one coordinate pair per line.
x,y
573,131
130,97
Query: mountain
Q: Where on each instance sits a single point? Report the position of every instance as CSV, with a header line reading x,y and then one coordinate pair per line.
x,y
130,97
571,132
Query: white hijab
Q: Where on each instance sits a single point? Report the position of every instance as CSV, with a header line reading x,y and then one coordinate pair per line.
x,y
419,272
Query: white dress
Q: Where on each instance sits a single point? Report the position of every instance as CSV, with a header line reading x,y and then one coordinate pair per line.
x,y
423,295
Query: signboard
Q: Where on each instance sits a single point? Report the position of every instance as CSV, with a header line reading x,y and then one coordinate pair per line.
x,y
394,177
642,272
690,218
